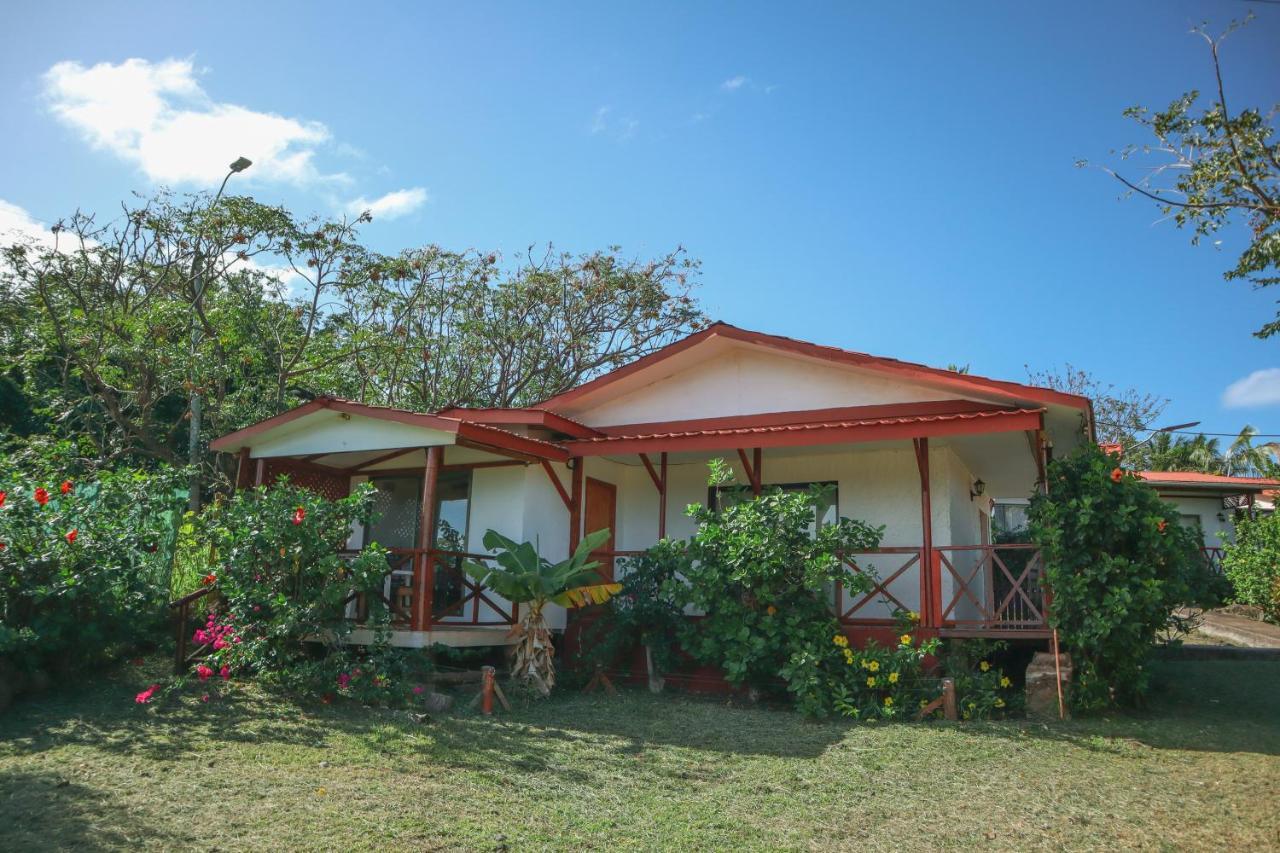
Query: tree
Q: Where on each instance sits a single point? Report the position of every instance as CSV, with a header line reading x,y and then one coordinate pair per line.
x,y
1214,168
1165,452
1119,413
521,576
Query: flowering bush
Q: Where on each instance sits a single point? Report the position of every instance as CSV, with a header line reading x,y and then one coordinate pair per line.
x,y
760,575
1118,563
1252,563
878,682
982,688
282,586
83,564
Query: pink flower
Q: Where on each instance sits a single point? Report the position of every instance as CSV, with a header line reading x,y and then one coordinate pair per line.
x,y
418,690
219,644
204,698
257,607
343,680
225,672
145,696
203,671
200,637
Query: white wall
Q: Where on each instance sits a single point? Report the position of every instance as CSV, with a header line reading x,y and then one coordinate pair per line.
x,y
1216,532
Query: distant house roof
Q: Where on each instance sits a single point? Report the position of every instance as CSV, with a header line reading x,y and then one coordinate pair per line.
x,y
1208,482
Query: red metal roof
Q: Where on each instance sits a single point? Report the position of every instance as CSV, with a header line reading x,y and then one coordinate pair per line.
x,y
865,429
1198,480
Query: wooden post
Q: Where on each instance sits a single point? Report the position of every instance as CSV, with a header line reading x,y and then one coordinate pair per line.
x,y
575,503
949,699
931,570
244,470
662,496
757,458
424,563
486,691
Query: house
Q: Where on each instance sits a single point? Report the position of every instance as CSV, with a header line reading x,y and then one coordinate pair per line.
x,y
1208,503
920,450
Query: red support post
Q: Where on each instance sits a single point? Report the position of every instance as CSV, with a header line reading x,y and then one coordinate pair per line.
x,y
244,470
662,497
757,467
424,566
930,568
259,472
575,506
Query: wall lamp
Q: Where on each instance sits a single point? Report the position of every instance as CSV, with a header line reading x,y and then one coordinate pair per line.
x,y
979,488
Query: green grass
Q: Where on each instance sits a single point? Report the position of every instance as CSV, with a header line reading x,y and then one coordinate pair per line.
x,y
85,767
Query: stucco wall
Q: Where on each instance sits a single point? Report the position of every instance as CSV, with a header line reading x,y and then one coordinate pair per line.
x,y
1209,510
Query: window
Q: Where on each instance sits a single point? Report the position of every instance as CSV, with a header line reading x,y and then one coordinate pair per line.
x,y
397,504
1008,518
825,513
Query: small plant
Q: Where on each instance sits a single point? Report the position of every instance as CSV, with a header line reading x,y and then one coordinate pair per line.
x,y
523,577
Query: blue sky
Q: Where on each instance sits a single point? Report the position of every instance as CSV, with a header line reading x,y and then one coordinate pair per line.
x,y
892,178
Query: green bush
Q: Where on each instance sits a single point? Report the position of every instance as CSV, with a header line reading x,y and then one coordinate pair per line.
x,y
84,566
281,588
759,574
646,612
1252,563
1118,563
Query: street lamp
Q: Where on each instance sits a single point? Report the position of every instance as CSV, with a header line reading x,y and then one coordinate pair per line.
x,y
197,403
1155,432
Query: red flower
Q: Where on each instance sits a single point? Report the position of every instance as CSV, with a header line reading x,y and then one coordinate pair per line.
x,y
71,536
209,579
1161,525
42,497
66,487
1116,475
145,696
298,515
225,672
203,671
3,495
2,546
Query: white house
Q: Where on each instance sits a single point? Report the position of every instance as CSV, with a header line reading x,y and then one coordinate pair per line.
x,y
1208,503
920,450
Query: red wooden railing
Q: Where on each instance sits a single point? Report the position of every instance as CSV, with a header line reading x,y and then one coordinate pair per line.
x,y
452,597
1213,558
892,571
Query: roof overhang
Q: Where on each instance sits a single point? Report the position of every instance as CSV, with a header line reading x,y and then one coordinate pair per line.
x,y
522,417
1208,485
327,426
812,432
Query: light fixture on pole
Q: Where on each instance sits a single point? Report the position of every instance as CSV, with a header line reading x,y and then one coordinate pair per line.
x,y
1155,432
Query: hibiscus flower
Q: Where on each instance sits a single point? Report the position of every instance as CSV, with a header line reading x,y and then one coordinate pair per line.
x,y
299,514
42,496
66,487
204,672
145,696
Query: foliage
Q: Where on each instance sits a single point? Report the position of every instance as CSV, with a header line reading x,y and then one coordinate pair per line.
x,y
1203,453
84,565
1214,168
983,690
522,576
281,586
1120,414
107,333
645,612
1117,563
760,576
1252,562
881,683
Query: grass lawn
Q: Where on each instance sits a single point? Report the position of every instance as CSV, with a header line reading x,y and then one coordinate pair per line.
x,y
86,767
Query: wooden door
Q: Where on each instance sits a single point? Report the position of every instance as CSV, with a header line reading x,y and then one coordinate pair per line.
x,y
600,511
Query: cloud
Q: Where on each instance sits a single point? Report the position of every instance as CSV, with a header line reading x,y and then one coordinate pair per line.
x,y
622,129
1260,388
156,116
16,224
392,205
600,121
734,83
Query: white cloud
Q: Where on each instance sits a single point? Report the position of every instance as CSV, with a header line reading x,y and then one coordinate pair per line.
x,y
1260,388
393,204
600,121
157,116
734,83
17,224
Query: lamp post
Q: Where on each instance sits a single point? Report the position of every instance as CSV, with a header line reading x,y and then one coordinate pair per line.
x,y
197,403
1155,432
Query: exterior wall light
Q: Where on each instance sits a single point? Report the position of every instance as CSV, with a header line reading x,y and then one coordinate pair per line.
x,y
978,489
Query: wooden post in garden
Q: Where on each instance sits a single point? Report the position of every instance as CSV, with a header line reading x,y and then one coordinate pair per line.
x,y
949,699
486,691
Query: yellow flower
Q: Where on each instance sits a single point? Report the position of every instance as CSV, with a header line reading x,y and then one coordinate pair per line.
x,y
771,610
1005,682
871,681
848,656
874,666
999,703
905,639
888,701
984,666
893,678
913,616
841,640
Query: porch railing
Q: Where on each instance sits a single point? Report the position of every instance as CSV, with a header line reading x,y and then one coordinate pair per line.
x,y
993,587
428,588
898,584
1213,558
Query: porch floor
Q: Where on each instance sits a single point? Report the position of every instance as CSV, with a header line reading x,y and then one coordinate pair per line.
x,y
446,635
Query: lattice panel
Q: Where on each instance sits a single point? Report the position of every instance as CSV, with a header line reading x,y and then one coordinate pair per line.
x,y
330,486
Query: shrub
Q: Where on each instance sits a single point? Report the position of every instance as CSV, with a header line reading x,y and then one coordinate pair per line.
x,y
282,586
84,566
1117,563
760,576
1252,563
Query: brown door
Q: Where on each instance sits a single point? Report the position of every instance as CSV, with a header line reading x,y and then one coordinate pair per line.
x,y
599,513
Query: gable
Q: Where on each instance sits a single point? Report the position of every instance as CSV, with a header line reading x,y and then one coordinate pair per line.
x,y
327,431
720,379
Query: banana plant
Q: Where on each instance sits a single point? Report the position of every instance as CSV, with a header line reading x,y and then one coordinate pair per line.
x,y
524,577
